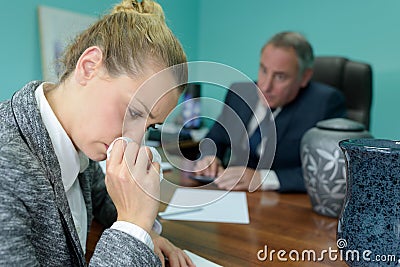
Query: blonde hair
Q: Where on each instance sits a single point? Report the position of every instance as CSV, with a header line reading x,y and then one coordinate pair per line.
x,y
130,36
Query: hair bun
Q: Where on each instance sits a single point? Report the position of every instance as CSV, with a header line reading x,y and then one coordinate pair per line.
x,y
143,7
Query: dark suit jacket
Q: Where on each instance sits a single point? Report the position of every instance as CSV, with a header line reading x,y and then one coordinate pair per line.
x,y
314,103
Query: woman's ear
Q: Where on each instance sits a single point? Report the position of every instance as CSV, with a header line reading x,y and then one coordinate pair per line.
x,y
89,63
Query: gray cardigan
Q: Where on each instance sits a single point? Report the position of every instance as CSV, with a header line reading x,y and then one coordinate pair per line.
x,y
36,225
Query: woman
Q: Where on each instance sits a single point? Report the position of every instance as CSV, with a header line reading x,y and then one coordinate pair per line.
x,y
52,134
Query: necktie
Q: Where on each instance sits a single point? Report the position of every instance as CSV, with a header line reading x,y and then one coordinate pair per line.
x,y
255,140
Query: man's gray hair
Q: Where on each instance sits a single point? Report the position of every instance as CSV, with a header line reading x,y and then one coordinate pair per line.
x,y
299,43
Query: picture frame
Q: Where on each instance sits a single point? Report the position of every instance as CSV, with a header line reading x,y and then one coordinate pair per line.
x,y
57,28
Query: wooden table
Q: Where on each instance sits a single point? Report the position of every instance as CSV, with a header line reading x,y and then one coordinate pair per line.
x,y
277,222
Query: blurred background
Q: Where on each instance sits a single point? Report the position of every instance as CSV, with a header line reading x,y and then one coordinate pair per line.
x,y
233,32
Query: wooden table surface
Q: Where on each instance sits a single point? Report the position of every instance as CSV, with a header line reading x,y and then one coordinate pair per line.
x,y
277,222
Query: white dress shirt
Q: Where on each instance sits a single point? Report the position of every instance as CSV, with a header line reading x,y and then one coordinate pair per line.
x,y
269,178
71,164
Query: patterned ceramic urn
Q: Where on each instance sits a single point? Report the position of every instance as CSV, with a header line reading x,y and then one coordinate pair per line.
x,y
323,163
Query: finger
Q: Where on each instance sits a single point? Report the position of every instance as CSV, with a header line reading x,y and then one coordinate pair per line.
x,y
210,171
160,255
220,171
173,260
131,153
225,174
149,156
213,169
143,159
182,259
230,187
200,165
221,178
152,185
140,167
227,185
155,168
226,181
198,168
202,171
189,262
152,156
236,182
116,154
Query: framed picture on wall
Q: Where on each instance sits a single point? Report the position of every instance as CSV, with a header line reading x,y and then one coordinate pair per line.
x,y
57,29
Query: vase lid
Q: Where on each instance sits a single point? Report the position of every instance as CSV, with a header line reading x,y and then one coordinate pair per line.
x,y
371,144
341,124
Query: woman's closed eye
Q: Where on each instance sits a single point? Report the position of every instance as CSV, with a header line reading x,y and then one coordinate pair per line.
x,y
135,114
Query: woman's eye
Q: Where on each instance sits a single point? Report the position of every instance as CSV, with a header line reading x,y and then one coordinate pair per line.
x,y
135,114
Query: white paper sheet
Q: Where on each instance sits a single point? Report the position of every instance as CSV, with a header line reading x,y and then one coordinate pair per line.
x,y
216,206
199,261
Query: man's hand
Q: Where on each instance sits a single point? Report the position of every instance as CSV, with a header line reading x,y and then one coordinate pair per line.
x,y
239,178
165,249
208,166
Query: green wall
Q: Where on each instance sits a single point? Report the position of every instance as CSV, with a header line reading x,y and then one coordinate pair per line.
x,y
232,32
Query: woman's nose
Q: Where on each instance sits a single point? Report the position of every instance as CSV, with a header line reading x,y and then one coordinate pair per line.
x,y
136,135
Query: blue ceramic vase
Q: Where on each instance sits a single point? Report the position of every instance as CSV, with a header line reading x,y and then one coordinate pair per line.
x,y
369,224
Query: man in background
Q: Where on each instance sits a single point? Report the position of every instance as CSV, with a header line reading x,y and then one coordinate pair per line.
x,y
295,104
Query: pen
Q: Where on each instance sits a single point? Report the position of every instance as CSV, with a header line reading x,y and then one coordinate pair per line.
x,y
178,212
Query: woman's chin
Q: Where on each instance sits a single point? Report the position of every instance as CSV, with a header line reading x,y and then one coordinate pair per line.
x,y
97,157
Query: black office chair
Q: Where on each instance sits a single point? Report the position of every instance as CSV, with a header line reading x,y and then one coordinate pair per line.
x,y
353,78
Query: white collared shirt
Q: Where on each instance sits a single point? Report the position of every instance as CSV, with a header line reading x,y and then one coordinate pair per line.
x,y
269,178
71,163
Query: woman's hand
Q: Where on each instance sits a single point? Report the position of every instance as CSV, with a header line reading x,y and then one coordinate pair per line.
x,y
165,249
133,184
